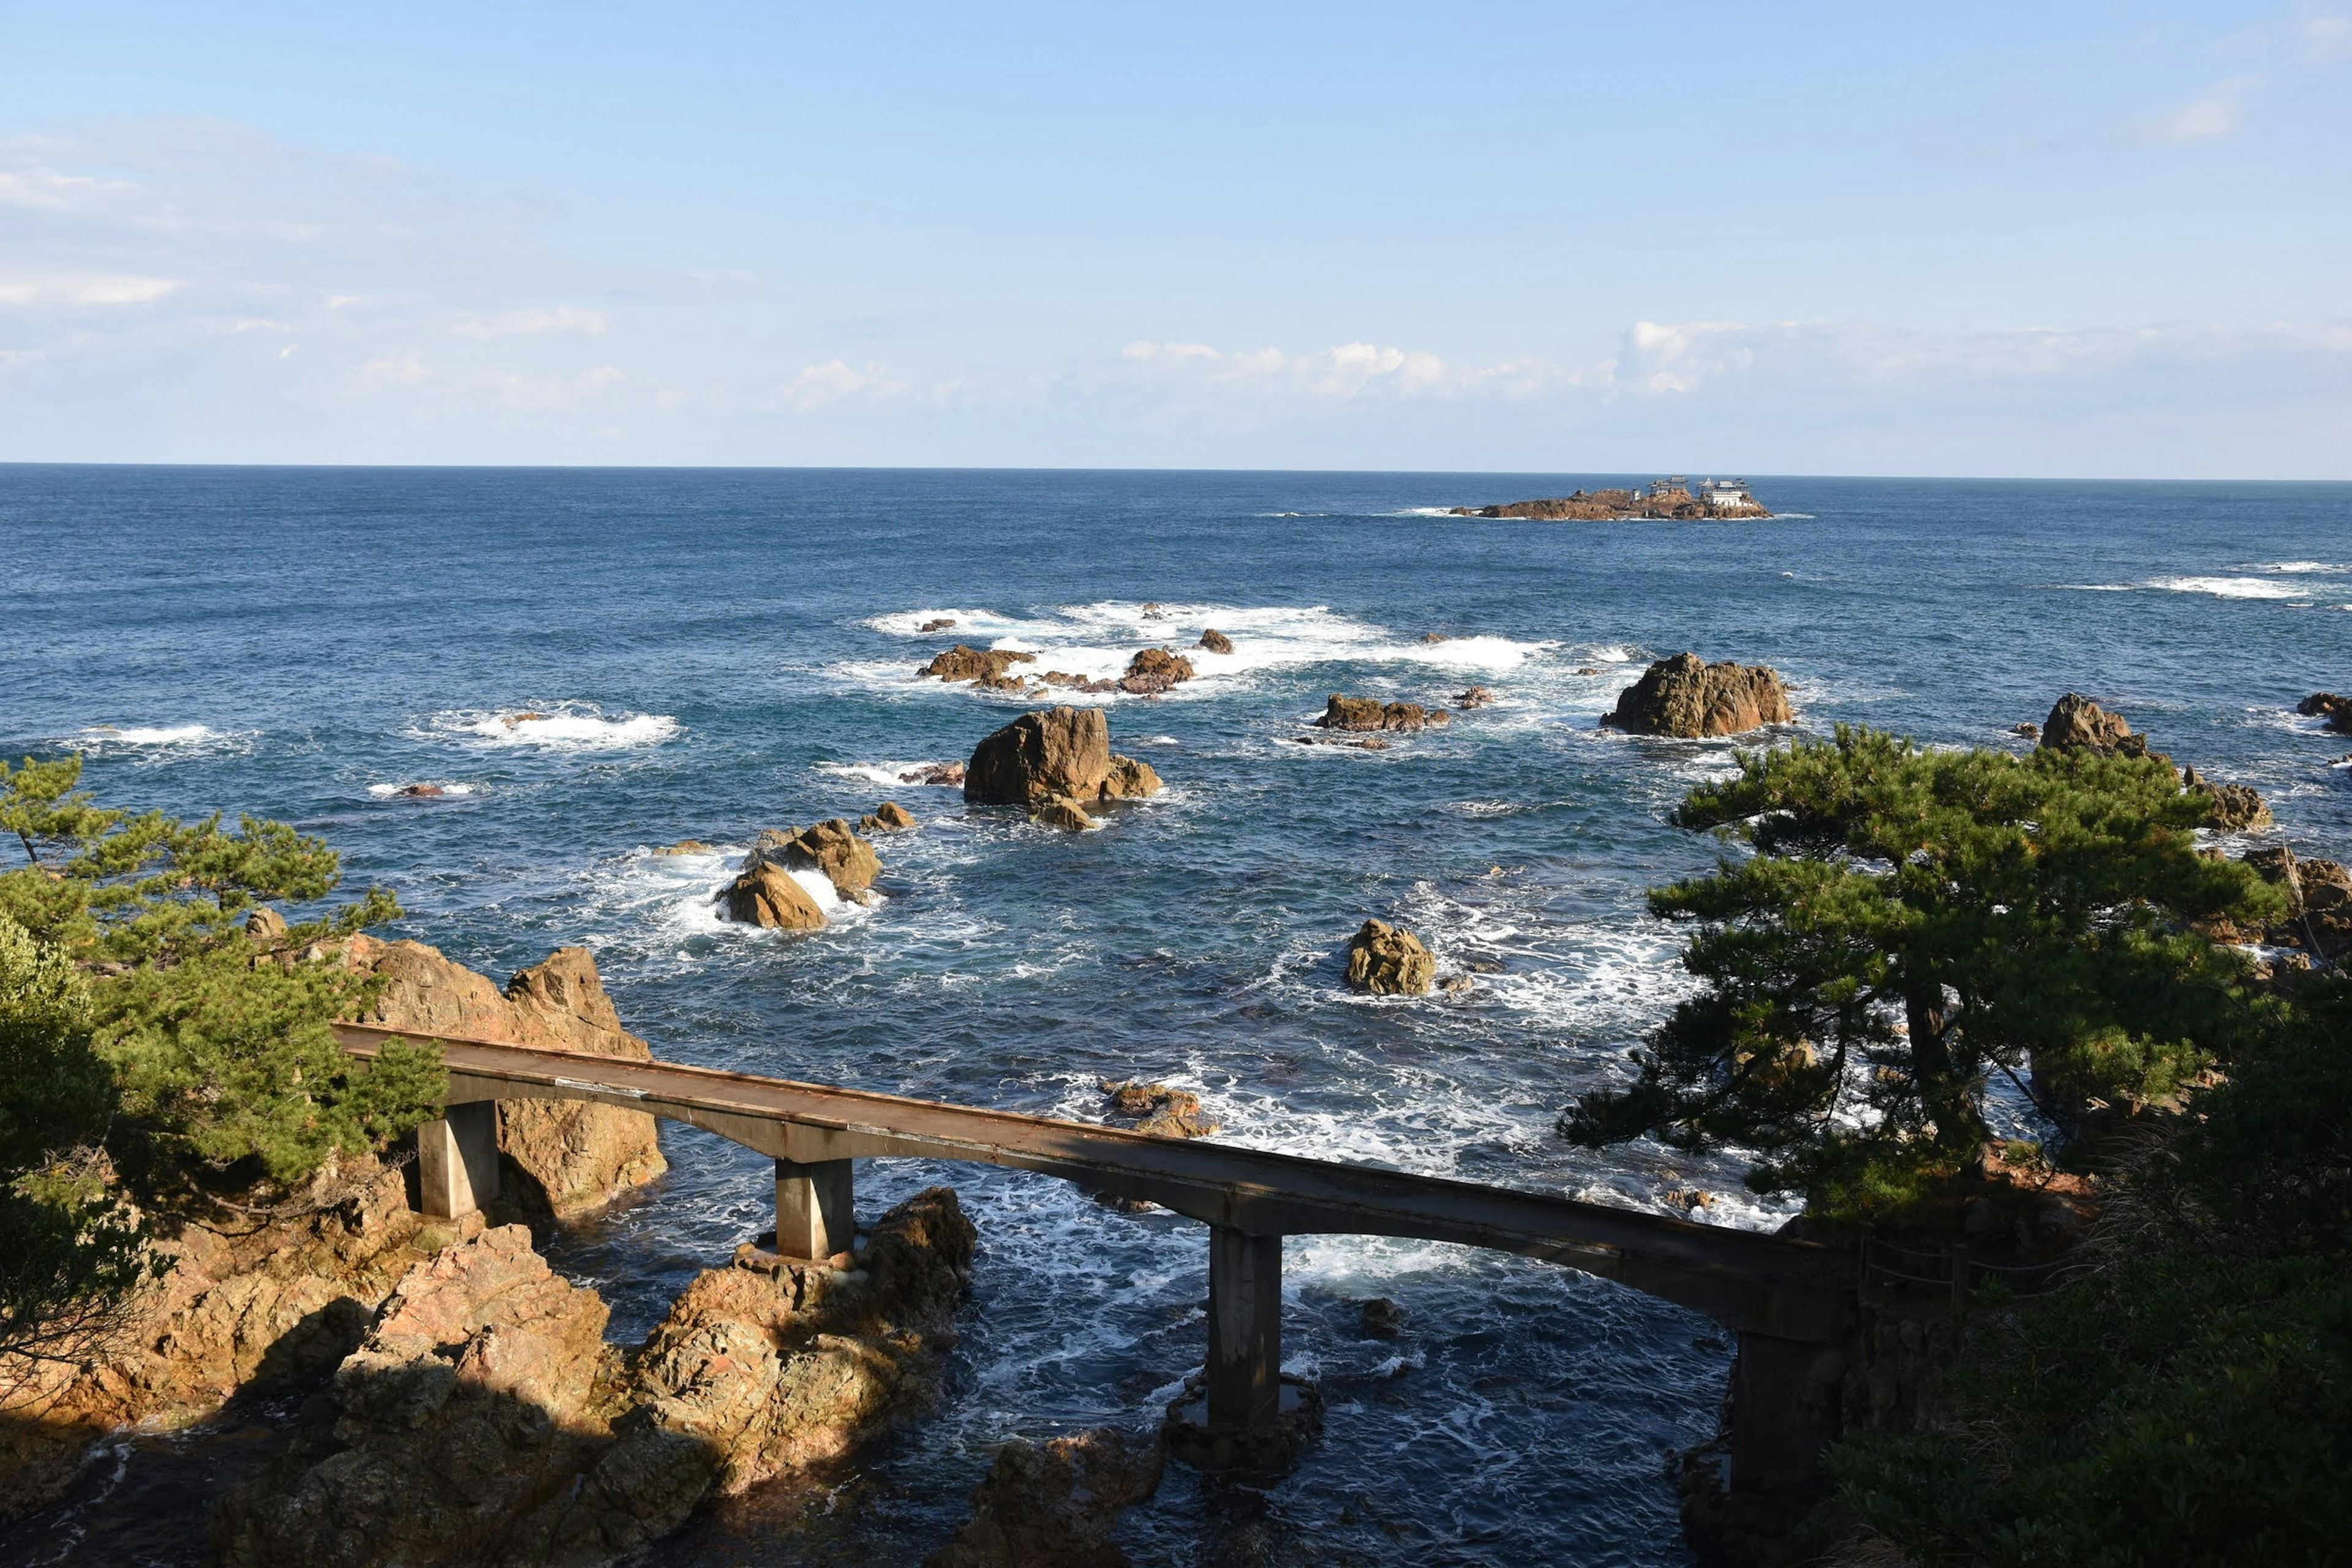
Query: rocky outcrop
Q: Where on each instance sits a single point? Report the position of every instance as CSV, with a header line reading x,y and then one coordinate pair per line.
x,y
2233,808
944,623
1476,697
1686,698
1064,679
1216,641
1052,1504
2337,711
483,1419
765,895
831,847
685,846
1061,811
1611,506
1389,961
888,817
2320,899
421,792
2078,724
1156,1109
558,1158
964,663
945,775
1370,713
1154,670
247,1302
1058,753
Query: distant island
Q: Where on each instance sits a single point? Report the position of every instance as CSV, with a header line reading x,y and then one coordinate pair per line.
x,y
1669,497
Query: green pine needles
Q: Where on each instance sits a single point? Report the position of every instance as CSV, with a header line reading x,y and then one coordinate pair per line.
x,y
1911,924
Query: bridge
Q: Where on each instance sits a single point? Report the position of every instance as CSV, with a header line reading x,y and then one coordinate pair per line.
x,y
1790,1302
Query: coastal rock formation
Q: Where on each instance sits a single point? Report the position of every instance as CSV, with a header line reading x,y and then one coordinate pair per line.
x,y
1057,751
1079,682
2337,711
421,792
685,846
2319,892
831,847
944,623
1370,713
888,817
1216,641
1061,811
1389,961
945,775
2077,723
1613,506
1156,1109
1689,699
244,1303
1154,670
559,1158
484,1419
765,895
1476,697
1052,1505
964,663
2233,808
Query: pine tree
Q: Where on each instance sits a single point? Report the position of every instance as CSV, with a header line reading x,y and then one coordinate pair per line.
x,y
1911,922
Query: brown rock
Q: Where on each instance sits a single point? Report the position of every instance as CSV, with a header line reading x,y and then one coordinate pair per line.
x,y
1435,637
891,817
766,896
1057,751
2319,895
1389,961
1370,713
1158,1109
421,792
559,1158
1379,1319
1152,612
1216,642
964,663
831,847
264,925
1061,811
941,773
1589,669
1129,779
1154,670
2078,724
2028,729
2337,711
1078,682
943,623
1476,697
2233,808
685,846
1052,1505
1689,699
523,718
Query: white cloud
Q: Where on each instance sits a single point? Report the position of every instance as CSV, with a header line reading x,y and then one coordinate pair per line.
x,y
2209,117
822,385
84,288
531,322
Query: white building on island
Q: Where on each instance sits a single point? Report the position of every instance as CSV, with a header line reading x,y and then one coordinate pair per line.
x,y
1725,495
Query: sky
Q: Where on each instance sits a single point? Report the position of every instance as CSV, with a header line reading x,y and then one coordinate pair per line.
x,y
2044,239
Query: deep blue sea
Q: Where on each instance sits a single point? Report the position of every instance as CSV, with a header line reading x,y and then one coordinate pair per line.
x,y
719,652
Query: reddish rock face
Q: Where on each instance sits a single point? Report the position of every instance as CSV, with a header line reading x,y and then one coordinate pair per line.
x,y
1689,699
766,896
1154,670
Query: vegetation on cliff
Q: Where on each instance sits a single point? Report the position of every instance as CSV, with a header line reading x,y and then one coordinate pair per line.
x,y
154,1054
1913,922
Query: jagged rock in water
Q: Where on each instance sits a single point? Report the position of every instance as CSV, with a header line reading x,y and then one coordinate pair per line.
x,y
1052,1505
1689,699
831,847
483,1420
561,1158
2078,724
1156,1109
1370,713
964,663
765,895
685,846
1476,697
1154,670
2234,809
1379,1319
1056,751
943,623
1389,961
1216,641
1129,779
2337,711
1061,811
941,773
888,817
2027,728
1079,682
421,792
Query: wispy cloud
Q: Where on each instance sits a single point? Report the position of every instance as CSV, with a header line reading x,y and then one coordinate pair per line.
x,y
531,322
2208,116
84,288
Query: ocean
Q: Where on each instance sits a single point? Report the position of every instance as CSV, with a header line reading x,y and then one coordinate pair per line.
x,y
716,652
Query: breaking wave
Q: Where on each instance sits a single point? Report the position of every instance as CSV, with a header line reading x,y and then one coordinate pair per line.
x,y
562,726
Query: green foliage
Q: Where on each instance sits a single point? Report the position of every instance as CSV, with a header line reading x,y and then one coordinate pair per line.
x,y
217,1045
71,1252
1913,921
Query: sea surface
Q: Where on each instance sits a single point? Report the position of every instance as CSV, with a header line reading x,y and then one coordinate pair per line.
x,y
713,652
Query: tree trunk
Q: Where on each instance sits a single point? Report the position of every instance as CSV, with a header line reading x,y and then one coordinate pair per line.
x,y
1959,1125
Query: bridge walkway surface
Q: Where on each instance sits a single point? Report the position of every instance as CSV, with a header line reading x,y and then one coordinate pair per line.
x,y
1790,1302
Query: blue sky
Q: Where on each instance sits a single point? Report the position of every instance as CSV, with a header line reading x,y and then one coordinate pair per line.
x,y
2065,240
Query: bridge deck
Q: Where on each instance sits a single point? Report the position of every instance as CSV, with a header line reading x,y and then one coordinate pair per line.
x,y
1748,1281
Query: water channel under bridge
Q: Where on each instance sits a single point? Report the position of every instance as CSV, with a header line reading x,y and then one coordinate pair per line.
x,y
1791,1303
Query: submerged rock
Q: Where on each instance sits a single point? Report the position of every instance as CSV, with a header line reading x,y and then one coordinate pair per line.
x,y
1379,1319
1387,960
1052,1505
685,846
421,792
2078,724
1154,670
945,775
965,663
944,623
1061,811
1156,1109
1686,698
1476,697
1216,641
1370,713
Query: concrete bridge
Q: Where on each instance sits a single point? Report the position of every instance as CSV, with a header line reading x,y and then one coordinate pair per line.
x,y
1791,1303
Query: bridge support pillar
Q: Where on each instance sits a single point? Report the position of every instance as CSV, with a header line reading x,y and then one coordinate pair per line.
x,y
457,1160
1244,1367
1784,1412
816,1208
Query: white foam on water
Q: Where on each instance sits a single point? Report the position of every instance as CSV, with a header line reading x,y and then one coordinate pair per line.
x,y
2097,587
384,791
889,775
2232,587
151,735
559,726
